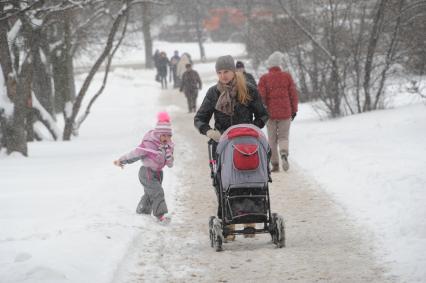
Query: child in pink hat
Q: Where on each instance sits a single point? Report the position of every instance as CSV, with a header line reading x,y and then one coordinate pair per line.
x,y
155,151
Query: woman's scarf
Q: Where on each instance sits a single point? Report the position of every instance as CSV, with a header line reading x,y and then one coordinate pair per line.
x,y
227,98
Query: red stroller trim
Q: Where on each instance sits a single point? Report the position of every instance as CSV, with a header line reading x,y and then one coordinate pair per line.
x,y
239,132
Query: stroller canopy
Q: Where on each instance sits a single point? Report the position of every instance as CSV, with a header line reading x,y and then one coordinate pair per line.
x,y
243,157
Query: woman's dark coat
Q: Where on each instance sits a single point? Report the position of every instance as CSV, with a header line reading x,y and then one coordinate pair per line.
x,y
252,113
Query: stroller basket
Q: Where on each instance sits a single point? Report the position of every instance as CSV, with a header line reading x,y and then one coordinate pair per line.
x,y
246,205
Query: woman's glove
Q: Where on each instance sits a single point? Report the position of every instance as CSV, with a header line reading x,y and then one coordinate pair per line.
x,y
214,135
293,116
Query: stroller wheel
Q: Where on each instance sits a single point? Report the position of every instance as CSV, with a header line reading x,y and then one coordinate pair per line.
x,y
272,228
278,230
211,234
216,233
218,244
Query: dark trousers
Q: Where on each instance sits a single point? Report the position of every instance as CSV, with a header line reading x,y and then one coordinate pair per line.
x,y
153,200
163,80
173,71
191,97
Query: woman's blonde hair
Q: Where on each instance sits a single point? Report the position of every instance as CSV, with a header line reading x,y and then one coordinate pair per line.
x,y
242,91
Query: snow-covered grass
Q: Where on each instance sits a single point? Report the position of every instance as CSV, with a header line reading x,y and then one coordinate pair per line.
x,y
67,214
374,164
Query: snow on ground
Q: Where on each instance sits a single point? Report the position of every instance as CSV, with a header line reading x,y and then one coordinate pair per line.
x,y
374,165
67,214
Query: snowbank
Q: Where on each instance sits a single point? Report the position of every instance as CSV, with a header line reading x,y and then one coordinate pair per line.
x,y
374,164
67,214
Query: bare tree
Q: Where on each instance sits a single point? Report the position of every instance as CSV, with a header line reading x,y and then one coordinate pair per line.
x,y
70,118
30,48
372,45
345,64
101,89
146,28
199,30
17,69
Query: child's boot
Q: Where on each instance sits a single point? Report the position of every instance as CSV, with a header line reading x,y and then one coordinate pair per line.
x,y
164,219
143,207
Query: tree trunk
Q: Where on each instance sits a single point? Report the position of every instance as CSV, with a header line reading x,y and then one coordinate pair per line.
x,y
305,93
63,69
146,29
70,118
6,59
30,119
3,129
372,44
23,91
10,81
42,84
199,31
390,54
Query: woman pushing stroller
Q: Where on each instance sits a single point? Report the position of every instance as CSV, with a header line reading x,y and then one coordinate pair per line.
x,y
231,101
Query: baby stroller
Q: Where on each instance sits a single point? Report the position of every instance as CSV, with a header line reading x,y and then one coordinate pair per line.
x,y
240,172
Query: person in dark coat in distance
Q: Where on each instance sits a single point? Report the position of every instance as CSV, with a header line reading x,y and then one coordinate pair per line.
x,y
155,58
173,68
278,92
163,63
249,77
231,101
190,85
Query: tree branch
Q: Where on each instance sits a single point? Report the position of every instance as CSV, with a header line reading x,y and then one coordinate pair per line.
x,y
101,89
70,120
306,32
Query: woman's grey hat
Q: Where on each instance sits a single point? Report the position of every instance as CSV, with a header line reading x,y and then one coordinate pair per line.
x,y
225,63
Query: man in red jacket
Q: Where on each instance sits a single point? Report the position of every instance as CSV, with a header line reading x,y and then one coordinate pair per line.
x,y
279,95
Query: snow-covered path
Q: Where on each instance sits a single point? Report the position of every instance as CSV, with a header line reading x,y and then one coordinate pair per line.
x,y
323,244
67,214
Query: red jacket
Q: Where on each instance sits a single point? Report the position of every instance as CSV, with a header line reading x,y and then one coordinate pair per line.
x,y
278,93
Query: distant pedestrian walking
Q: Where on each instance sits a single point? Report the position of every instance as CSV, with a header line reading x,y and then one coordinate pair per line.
x,y
163,63
249,77
156,58
279,95
181,66
190,85
173,69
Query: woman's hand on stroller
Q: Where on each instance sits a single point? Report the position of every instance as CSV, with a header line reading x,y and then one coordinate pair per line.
x,y
214,135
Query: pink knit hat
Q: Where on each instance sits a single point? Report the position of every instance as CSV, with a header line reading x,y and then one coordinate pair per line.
x,y
164,125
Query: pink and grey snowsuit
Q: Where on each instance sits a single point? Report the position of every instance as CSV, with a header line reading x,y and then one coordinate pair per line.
x,y
154,156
